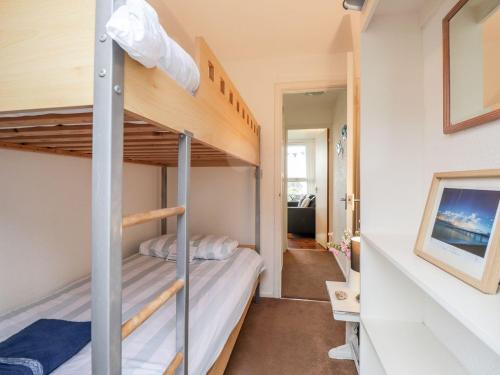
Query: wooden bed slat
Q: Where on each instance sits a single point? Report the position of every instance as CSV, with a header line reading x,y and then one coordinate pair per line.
x,y
44,73
143,144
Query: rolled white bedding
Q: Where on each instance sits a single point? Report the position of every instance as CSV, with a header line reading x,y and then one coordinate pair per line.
x,y
136,28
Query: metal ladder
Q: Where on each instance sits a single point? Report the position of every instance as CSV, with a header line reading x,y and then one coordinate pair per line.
x,y
107,220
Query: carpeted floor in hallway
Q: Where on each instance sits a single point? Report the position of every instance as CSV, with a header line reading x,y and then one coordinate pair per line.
x,y
289,337
297,242
305,272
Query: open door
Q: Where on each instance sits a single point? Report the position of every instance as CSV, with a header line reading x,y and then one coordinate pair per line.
x,y
352,149
346,168
321,186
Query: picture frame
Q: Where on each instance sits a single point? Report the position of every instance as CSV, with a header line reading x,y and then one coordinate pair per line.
x,y
450,126
460,227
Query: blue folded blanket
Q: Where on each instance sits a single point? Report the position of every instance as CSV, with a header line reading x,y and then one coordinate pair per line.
x,y
42,347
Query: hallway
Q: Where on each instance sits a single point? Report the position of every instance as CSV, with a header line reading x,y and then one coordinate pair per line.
x,y
297,242
282,336
305,272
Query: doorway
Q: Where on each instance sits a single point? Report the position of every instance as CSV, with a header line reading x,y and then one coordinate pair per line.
x,y
307,188
312,124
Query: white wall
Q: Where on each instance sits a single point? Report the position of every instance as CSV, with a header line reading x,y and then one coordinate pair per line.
x,y
45,205
256,80
392,125
402,140
222,201
475,148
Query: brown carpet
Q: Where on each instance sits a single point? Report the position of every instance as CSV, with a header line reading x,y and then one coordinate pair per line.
x,y
305,272
297,242
289,337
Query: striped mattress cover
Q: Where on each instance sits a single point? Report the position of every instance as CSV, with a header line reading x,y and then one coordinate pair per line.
x,y
219,291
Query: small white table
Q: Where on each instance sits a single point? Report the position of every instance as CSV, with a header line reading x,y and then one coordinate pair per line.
x,y
348,311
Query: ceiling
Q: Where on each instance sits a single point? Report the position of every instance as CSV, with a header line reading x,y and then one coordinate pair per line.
x,y
257,29
303,100
306,111
304,134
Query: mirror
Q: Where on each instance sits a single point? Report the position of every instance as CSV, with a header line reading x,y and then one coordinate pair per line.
x,y
471,57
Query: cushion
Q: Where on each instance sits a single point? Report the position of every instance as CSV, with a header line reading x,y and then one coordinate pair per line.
x,y
213,246
172,254
305,202
301,199
312,202
159,246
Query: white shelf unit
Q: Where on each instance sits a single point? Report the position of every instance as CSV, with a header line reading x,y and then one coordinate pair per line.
x,y
418,319
410,309
477,311
423,354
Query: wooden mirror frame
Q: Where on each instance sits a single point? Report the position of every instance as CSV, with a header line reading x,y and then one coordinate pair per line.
x,y
448,127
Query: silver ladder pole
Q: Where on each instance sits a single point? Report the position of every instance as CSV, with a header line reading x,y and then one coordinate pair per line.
x,y
164,196
182,259
107,165
257,222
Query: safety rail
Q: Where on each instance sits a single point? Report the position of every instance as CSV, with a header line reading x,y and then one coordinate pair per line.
x,y
159,214
138,319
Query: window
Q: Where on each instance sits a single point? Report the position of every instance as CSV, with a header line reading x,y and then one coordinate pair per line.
x,y
297,171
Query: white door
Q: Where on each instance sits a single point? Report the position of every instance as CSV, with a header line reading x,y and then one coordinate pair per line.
x,y
352,111
321,188
344,142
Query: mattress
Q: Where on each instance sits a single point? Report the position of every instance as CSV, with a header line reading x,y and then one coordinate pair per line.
x,y
219,291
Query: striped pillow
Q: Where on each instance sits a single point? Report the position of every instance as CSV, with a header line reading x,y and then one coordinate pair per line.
x,y
213,247
172,254
158,247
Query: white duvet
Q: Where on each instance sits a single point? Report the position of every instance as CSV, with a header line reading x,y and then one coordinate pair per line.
x,y
136,28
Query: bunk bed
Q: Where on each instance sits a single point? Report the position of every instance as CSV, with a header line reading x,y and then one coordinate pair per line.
x,y
66,88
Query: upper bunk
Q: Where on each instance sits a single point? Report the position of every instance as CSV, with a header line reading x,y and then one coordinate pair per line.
x,y
46,92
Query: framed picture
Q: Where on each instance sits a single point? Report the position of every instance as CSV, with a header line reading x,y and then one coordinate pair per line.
x,y
460,229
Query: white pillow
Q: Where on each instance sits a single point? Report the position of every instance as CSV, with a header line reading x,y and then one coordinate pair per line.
x,y
213,247
305,202
159,246
172,254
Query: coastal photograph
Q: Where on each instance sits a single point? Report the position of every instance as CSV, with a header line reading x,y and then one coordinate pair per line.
x,y
465,219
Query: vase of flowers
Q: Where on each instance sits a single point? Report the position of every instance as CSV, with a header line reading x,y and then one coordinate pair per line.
x,y
345,247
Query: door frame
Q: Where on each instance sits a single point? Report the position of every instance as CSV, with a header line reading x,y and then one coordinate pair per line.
x,y
281,89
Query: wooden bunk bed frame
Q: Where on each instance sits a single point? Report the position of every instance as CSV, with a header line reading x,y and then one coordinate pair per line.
x,y
66,88
56,78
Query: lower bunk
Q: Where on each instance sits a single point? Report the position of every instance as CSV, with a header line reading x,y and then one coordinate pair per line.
x,y
220,294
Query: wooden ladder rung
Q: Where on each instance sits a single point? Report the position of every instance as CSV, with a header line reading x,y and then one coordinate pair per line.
x,y
176,362
133,323
144,217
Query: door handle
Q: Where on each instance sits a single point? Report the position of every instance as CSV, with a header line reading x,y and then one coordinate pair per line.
x,y
349,199
345,201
